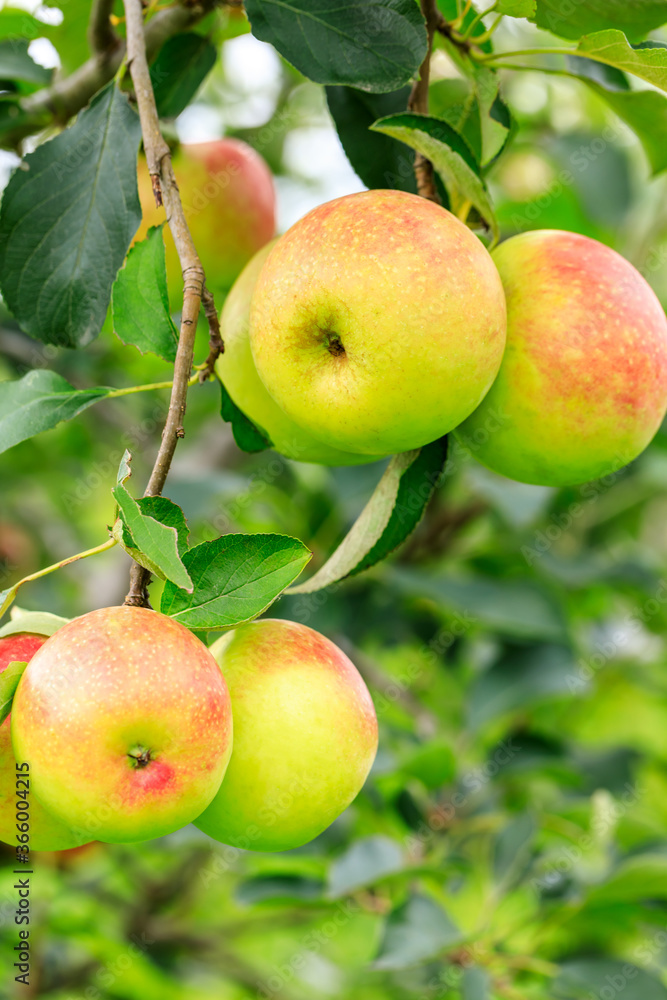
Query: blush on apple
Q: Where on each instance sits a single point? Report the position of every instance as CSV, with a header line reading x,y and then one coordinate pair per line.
x,y
583,385
125,720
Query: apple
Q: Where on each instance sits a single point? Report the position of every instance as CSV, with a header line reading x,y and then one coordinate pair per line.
x,y
583,385
378,322
230,205
125,720
46,833
236,369
305,736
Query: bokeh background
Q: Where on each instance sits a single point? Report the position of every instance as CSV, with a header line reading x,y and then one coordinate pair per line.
x,y
511,839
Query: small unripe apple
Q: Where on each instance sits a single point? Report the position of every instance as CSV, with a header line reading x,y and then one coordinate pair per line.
x,y
305,736
583,385
46,833
125,720
378,322
236,369
229,201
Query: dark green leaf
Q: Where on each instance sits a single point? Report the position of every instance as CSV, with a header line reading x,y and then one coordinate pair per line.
x,y
391,514
246,434
35,622
67,220
153,545
37,402
279,888
612,47
585,977
416,931
140,299
179,70
511,607
378,160
520,678
374,45
572,20
9,681
167,512
237,577
364,862
451,156
17,64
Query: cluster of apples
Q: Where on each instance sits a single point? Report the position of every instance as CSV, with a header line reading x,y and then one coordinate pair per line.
x,y
379,322
131,728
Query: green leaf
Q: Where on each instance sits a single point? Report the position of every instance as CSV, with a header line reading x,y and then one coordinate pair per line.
x,y
39,401
286,888
237,577
639,878
140,300
378,160
511,607
67,220
392,513
434,763
178,71
154,545
522,677
612,47
572,20
417,930
17,64
582,978
35,622
516,8
374,45
246,434
512,850
167,512
365,861
644,111
9,681
19,24
450,155
475,985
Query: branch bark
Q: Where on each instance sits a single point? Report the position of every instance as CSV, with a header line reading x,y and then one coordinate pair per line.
x,y
158,159
101,36
419,101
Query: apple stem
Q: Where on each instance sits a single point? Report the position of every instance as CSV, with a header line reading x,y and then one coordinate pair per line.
x,y
141,756
419,100
158,158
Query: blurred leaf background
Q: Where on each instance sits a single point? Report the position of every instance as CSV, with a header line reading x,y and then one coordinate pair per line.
x,y
511,839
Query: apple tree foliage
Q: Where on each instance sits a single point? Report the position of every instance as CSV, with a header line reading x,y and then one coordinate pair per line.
x,y
511,841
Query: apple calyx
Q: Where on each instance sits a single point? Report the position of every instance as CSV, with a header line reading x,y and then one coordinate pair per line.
x,y
333,343
140,757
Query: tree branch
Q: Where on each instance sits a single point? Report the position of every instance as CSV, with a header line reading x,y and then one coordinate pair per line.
x,y
215,341
101,36
158,159
419,101
67,96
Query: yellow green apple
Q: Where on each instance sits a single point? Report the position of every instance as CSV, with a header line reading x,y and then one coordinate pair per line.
x,y
236,370
124,718
229,201
45,832
305,736
583,385
378,322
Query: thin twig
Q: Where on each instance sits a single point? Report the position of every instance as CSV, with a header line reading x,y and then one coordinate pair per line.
x,y
419,101
101,36
216,343
158,158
